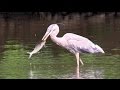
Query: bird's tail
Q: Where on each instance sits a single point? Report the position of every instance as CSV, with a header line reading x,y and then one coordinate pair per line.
x,y
99,49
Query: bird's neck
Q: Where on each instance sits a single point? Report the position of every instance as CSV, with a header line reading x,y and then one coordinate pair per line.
x,y
55,39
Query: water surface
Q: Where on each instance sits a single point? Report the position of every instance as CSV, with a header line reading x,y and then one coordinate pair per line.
x,y
20,33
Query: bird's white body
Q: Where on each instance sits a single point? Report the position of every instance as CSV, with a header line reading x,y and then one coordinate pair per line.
x,y
74,43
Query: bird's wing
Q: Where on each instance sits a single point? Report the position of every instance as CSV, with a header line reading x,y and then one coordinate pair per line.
x,y
74,37
79,43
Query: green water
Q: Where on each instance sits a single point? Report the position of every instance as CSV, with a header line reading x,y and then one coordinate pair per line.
x,y
19,35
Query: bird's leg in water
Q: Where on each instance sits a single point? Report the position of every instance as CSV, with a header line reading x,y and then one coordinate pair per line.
x,y
77,72
78,59
81,61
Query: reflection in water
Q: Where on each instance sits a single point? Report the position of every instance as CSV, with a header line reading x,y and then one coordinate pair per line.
x,y
20,33
31,72
83,74
78,72
92,74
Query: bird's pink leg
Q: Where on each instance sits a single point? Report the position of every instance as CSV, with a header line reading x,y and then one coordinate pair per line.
x,y
78,72
81,61
78,59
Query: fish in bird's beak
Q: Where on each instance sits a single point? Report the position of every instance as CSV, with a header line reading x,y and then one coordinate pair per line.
x,y
46,35
41,44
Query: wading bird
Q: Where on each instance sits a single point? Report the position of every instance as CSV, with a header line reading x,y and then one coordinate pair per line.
x,y
74,43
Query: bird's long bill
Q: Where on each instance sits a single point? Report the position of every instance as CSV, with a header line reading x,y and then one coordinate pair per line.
x,y
46,36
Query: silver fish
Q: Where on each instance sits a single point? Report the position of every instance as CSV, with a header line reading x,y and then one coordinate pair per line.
x,y
37,48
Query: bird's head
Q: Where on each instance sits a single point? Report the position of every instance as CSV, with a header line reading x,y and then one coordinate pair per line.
x,y
53,29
